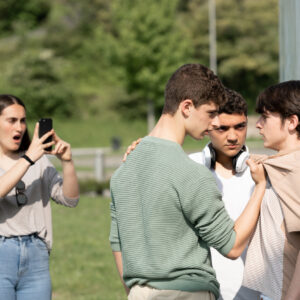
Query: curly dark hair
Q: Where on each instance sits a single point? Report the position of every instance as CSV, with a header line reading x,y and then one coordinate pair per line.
x,y
7,100
235,104
195,82
282,98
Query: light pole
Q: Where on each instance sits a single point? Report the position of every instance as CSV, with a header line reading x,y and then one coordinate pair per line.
x,y
212,36
289,39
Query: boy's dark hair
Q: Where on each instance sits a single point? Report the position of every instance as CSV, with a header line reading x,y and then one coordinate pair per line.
x,y
195,82
235,104
282,98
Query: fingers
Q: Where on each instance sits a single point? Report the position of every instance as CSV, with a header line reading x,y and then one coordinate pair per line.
x,y
46,145
126,153
60,148
55,137
36,130
257,171
131,148
252,165
38,146
46,135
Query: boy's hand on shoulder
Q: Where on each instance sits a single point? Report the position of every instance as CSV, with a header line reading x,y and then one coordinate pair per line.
x,y
131,148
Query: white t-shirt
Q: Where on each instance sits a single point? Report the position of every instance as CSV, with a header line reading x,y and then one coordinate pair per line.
x,y
236,192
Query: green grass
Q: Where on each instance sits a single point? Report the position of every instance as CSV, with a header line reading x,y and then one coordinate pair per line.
x,y
81,262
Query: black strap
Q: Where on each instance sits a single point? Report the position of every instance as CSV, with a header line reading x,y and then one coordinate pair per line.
x,y
28,159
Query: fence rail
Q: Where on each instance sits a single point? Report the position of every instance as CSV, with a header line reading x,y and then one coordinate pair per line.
x,y
100,163
93,163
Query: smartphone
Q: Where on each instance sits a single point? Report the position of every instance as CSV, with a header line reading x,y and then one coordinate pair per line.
x,y
45,125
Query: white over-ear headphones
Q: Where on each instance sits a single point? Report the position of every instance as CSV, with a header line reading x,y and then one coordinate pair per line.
x,y
238,161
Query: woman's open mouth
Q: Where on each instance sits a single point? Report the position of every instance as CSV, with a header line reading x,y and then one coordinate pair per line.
x,y
17,138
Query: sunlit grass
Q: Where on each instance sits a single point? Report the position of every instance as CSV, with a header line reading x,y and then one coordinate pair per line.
x,y
81,262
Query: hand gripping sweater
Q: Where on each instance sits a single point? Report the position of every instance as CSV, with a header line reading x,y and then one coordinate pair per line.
x,y
166,211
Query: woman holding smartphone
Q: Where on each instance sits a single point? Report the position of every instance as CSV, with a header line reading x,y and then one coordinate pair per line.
x,y
27,182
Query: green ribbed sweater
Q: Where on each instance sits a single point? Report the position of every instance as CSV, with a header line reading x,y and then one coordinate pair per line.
x,y
166,211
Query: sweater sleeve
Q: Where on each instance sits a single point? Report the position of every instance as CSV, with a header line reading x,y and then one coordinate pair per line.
x,y
202,205
54,184
114,232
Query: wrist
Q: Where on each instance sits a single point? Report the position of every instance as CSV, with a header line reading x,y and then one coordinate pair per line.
x,y
66,160
28,159
261,185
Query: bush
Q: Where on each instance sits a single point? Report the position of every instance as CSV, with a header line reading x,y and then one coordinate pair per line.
x,y
92,186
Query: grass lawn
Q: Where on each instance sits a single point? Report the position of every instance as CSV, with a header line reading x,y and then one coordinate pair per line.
x,y
81,262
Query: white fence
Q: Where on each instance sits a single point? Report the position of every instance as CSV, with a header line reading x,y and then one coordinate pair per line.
x,y
94,163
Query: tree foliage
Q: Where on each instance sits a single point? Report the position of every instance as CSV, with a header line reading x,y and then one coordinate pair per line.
x,y
67,56
150,47
35,79
21,15
247,42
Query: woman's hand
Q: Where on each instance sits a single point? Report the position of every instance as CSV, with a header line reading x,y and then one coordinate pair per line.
x,y
37,149
62,149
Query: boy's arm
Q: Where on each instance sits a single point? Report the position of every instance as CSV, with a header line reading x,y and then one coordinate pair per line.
x,y
246,223
293,292
118,260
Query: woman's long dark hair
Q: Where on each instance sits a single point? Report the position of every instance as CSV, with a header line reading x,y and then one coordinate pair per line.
x,y
7,100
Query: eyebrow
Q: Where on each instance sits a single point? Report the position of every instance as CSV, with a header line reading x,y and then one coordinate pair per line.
x,y
242,124
15,118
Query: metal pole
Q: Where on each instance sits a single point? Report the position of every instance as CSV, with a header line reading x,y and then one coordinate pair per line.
x,y
150,115
212,36
289,39
99,165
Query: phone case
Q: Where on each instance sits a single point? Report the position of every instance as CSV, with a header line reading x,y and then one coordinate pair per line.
x,y
45,125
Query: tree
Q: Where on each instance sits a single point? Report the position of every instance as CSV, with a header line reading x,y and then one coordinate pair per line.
x,y
247,42
150,48
21,15
34,77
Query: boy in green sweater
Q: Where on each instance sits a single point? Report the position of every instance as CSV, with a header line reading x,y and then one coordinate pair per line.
x,y
166,209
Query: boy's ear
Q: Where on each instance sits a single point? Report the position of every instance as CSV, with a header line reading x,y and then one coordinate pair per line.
x,y
294,122
185,107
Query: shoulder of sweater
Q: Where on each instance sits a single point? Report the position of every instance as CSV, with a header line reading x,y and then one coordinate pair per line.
x,y
190,167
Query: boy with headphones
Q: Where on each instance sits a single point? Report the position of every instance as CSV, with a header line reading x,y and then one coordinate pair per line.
x,y
226,156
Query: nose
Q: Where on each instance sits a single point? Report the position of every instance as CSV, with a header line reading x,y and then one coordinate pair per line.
x,y
232,136
18,126
258,123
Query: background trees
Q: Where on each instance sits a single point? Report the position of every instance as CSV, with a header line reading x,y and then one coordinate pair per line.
x,y
79,58
247,42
